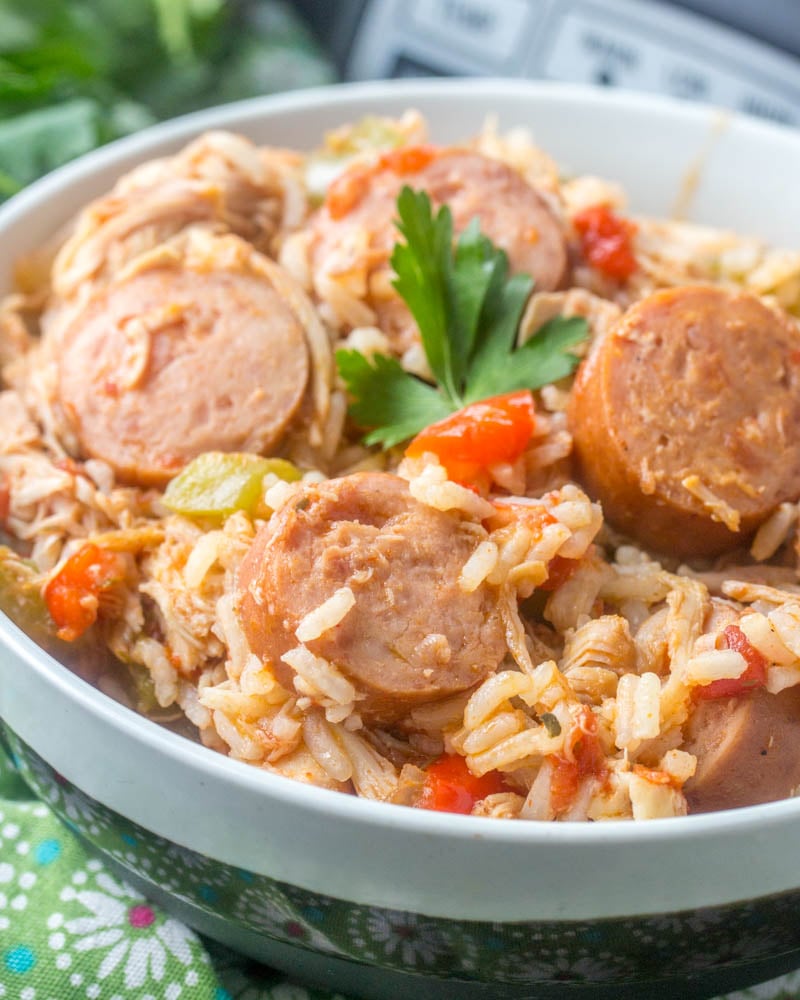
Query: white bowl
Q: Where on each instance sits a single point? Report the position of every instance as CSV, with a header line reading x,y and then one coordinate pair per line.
x,y
741,174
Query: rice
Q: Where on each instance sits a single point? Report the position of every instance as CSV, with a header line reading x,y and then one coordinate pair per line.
x,y
774,532
201,559
717,664
499,727
638,709
763,635
431,486
651,800
785,619
478,567
534,742
326,750
327,616
163,675
492,694
679,765
718,508
320,677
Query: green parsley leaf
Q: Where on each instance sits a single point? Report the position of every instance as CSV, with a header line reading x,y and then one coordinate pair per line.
x,y
477,278
542,359
468,312
424,267
397,404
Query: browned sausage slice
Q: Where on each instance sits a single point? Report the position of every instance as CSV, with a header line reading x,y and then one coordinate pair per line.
x,y
178,360
510,211
747,748
686,419
412,635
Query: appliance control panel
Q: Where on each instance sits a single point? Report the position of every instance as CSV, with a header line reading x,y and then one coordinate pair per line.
x,y
628,43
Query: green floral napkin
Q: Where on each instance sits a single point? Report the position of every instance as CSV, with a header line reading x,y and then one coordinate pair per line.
x,y
70,929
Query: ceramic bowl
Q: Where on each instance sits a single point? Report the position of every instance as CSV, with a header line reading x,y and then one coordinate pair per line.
x,y
373,899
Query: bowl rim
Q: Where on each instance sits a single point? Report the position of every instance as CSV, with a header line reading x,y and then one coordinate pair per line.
x,y
340,95
320,803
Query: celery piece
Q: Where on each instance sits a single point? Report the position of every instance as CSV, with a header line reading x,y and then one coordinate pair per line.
x,y
21,596
215,484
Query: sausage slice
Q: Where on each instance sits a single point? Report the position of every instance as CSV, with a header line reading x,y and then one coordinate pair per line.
x,y
510,212
747,748
686,419
412,635
220,180
180,358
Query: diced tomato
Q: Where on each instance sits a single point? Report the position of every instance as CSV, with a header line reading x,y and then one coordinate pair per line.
x,y
534,515
563,783
559,570
606,241
407,159
754,676
656,777
450,786
480,435
72,595
583,755
347,190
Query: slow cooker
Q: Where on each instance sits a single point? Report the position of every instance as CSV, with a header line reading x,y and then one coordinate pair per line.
x,y
732,53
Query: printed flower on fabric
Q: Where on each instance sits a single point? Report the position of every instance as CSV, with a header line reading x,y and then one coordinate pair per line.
x,y
565,966
405,941
549,952
264,910
143,852
134,944
681,928
193,876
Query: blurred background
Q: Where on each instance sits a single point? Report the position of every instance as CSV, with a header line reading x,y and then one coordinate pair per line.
x,y
77,73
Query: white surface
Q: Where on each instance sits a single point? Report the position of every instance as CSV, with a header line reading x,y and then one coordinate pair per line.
x,y
368,852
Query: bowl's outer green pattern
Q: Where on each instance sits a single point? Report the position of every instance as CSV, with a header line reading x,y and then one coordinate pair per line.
x,y
579,952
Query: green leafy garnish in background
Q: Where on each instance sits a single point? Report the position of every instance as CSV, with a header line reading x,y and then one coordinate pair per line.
x,y
468,311
76,73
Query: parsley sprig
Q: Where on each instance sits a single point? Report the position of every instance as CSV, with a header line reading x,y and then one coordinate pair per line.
x,y
468,312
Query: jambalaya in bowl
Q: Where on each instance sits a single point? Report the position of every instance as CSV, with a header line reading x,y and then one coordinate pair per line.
x,y
420,471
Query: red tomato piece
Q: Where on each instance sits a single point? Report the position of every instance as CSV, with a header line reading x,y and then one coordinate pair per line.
x,y
754,676
535,516
563,783
480,435
583,755
407,159
606,241
655,776
72,594
559,570
450,786
347,190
